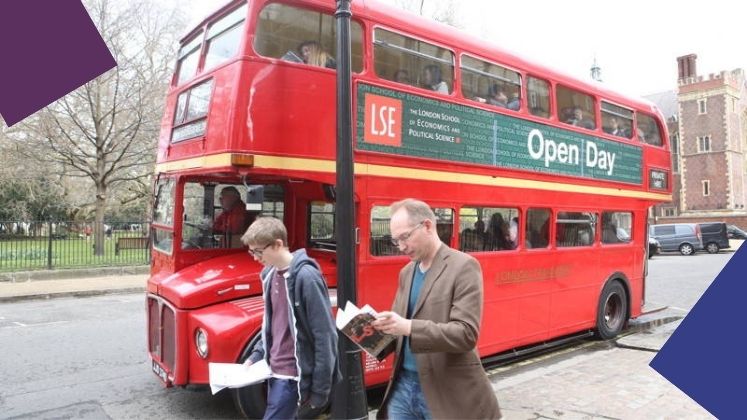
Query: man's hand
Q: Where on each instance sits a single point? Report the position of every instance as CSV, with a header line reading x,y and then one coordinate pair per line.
x,y
247,362
392,323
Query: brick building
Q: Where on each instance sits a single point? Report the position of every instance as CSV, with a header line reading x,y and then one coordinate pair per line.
x,y
707,123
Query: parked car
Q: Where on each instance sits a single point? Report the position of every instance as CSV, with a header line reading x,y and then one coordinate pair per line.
x,y
735,233
683,237
654,247
714,236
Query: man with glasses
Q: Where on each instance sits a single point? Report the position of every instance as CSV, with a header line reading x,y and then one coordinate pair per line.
x,y
436,316
299,337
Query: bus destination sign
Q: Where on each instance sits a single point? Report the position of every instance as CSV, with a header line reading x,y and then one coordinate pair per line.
x,y
396,122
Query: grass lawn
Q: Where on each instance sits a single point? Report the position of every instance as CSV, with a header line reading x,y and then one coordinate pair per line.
x,y
31,254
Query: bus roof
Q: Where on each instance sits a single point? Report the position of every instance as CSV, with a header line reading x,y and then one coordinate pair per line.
x,y
450,36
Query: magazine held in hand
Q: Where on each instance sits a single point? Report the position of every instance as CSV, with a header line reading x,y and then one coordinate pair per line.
x,y
355,323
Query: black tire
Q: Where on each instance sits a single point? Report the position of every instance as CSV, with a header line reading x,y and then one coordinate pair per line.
x,y
250,401
712,248
612,310
687,249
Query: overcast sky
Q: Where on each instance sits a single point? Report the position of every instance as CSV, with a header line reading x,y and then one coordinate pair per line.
x,y
635,42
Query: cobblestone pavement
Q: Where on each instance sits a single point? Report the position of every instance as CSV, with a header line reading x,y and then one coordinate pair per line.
x,y
596,383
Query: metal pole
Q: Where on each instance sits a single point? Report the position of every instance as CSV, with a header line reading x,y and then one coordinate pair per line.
x,y
350,395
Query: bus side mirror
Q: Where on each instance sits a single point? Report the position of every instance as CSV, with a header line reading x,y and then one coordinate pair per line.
x,y
255,196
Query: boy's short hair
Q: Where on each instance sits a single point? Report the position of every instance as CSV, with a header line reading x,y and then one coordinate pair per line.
x,y
264,231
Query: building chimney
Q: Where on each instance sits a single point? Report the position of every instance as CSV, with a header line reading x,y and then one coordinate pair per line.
x,y
686,67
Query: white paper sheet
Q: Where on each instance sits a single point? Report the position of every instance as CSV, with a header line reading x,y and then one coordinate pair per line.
x,y
232,375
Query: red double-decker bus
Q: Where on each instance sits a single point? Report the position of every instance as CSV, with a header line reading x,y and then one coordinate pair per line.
x,y
547,180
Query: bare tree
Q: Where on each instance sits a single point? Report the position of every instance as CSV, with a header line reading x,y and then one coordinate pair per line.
x,y
106,130
444,11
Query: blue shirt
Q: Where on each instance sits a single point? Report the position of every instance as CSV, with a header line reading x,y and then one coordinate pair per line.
x,y
418,276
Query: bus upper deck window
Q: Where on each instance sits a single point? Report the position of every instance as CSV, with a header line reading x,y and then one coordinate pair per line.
x,y
413,62
617,120
576,108
492,84
648,130
303,36
188,59
538,97
224,37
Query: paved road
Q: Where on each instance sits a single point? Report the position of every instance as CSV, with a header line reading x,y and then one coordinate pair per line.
x,y
678,281
86,359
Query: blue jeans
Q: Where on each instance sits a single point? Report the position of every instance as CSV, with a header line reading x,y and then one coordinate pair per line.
x,y
282,399
407,400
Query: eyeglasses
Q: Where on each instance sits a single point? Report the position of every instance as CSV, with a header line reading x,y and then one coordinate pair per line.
x,y
405,236
257,252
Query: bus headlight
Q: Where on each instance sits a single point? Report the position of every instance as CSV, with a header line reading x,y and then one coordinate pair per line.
x,y
201,342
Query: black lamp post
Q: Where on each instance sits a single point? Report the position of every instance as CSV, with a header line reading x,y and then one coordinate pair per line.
x,y
350,395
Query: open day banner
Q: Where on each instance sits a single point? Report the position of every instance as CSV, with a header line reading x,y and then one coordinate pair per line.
x,y
51,47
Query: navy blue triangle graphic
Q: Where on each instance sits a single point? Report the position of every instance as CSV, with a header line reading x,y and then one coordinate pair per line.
x,y
706,357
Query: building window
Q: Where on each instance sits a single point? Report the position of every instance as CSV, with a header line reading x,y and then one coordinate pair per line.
x,y
667,212
676,152
704,144
702,109
706,188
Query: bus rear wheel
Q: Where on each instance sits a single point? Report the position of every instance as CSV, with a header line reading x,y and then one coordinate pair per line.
x,y
612,311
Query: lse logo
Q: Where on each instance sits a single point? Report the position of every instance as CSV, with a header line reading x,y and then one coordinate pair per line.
x,y
383,120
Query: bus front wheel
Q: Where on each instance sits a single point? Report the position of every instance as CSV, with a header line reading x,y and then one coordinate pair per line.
x,y
250,401
612,311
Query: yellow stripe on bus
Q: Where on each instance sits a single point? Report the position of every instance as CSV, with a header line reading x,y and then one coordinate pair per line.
x,y
329,166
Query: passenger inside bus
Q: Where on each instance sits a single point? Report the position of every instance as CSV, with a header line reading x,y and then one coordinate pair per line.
x,y
497,96
234,219
514,104
579,120
473,239
539,238
313,55
402,76
615,128
498,237
431,79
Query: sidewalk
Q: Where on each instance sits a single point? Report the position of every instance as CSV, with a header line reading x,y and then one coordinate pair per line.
x,y
596,383
86,282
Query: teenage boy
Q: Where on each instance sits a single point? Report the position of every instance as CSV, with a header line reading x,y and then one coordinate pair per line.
x,y
299,338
